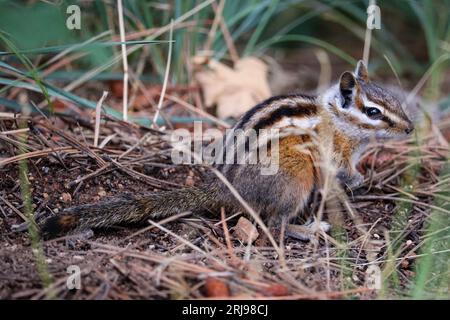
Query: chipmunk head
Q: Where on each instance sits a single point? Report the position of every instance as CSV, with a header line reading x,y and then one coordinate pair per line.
x,y
366,109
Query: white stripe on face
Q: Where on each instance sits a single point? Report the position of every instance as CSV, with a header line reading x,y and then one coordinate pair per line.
x,y
395,118
362,117
388,114
371,104
356,113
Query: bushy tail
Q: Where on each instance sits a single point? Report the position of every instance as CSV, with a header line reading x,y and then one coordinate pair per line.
x,y
129,209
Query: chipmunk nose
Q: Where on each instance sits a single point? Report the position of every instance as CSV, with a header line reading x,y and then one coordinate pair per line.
x,y
409,129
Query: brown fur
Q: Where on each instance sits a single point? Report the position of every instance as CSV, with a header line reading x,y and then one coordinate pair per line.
x,y
296,160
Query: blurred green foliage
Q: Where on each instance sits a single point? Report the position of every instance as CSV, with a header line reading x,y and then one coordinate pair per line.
x,y
255,26
34,26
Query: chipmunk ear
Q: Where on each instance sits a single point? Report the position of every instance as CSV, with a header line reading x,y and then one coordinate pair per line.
x,y
347,84
361,71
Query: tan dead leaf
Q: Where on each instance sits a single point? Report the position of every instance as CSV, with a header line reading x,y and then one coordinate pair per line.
x,y
234,90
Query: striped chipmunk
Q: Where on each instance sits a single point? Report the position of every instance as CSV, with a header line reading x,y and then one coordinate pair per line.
x,y
341,121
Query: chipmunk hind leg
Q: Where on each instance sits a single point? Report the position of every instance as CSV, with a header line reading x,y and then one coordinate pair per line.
x,y
306,232
292,201
310,229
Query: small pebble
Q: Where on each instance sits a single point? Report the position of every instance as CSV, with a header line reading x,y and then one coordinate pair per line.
x,y
245,231
102,193
66,197
189,181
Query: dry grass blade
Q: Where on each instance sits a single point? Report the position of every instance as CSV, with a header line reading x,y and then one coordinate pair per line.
x,y
98,110
166,76
124,60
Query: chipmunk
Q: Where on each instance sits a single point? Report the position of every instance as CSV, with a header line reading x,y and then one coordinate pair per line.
x,y
345,118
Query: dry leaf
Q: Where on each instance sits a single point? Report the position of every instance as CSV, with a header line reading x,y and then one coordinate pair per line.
x,y
234,90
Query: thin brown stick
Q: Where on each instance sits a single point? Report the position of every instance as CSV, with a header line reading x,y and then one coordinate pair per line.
x,y
226,232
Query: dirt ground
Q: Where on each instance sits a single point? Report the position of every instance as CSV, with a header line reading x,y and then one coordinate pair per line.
x,y
195,257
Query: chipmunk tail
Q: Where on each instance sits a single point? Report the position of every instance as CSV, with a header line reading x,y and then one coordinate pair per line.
x,y
127,209
58,225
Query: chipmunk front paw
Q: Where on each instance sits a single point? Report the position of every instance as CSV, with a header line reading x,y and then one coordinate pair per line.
x,y
351,181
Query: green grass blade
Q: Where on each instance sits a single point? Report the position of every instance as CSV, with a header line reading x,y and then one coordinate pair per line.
x,y
75,47
433,267
260,27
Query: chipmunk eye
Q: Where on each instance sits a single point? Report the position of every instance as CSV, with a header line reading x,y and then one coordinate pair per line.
x,y
373,113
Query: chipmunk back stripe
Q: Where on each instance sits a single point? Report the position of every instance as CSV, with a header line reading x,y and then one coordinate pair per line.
x,y
249,114
302,122
296,110
272,103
